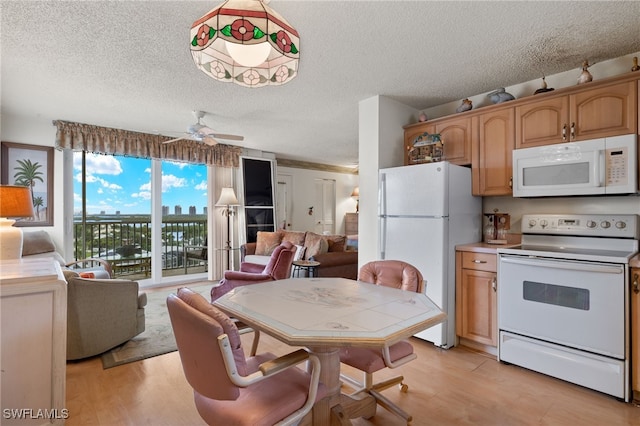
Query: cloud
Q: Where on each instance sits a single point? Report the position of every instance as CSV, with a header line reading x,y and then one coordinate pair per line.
x,y
98,164
202,186
171,181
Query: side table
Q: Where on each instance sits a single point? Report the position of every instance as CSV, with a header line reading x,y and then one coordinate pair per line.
x,y
310,268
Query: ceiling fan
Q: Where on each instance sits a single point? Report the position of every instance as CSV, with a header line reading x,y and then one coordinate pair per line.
x,y
200,133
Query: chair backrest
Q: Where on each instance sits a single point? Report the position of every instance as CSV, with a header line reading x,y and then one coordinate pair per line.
x,y
392,273
196,325
279,266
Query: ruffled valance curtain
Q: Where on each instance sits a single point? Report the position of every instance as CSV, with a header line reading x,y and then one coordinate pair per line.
x,y
105,140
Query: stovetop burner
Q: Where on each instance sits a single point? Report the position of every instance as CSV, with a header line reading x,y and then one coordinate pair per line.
x,y
595,238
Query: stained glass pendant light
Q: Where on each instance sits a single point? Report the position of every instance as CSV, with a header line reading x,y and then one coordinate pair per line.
x,y
247,43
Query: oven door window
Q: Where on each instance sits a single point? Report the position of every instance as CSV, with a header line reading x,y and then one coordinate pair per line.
x,y
559,295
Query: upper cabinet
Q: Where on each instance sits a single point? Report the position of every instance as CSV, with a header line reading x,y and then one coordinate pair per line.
x,y
605,110
455,133
491,170
456,136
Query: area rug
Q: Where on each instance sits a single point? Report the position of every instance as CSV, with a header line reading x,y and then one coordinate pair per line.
x,y
157,338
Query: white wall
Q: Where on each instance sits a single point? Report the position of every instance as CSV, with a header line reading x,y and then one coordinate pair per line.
x,y
36,131
381,145
304,196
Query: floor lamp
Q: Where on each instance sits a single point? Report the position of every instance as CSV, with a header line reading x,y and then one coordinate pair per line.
x,y
228,200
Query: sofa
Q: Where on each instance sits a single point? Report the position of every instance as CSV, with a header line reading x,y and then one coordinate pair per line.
x,y
102,312
330,250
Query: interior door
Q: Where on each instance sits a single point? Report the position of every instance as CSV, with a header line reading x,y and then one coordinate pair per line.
x,y
325,213
284,202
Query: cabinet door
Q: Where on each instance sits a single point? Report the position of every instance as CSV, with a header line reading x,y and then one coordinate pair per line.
x,y
456,137
493,143
410,134
478,303
635,332
602,112
542,122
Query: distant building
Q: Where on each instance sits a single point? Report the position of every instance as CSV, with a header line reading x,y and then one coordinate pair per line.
x,y
117,212
177,210
204,210
192,210
165,210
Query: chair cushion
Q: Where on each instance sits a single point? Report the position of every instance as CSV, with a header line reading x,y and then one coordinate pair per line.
x,y
371,360
262,404
267,242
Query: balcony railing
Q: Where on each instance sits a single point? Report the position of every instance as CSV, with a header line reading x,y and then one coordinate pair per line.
x,y
125,241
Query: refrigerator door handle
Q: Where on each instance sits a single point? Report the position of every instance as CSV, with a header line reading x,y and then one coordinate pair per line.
x,y
382,216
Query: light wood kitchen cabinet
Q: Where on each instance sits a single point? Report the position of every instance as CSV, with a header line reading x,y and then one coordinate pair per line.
x,y
590,113
456,135
492,172
476,300
351,223
635,333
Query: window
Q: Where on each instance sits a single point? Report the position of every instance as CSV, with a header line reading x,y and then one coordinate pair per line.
x,y
259,207
113,212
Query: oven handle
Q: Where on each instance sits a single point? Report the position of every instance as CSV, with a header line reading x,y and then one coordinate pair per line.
x,y
572,266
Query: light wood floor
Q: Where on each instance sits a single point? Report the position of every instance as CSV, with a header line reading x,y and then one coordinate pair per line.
x,y
446,387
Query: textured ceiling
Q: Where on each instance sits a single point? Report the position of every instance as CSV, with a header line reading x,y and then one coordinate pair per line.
x,y
128,65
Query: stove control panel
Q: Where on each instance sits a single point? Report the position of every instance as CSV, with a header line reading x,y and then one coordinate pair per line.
x,y
592,225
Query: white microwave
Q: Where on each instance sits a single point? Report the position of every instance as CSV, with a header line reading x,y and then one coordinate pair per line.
x,y
597,166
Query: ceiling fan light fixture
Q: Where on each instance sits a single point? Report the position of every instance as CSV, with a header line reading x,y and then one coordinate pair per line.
x,y
247,43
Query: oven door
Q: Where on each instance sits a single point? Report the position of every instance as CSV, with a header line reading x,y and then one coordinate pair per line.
x,y
571,303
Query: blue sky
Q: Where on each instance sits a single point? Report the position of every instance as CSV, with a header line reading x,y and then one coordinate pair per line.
x,y
116,183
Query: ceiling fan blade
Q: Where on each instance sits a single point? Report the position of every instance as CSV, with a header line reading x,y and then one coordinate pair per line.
x,y
229,137
209,140
176,139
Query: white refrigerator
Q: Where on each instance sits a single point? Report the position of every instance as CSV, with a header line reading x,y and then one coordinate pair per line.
x,y
424,212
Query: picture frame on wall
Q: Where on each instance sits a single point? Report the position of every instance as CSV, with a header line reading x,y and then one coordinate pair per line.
x,y
30,165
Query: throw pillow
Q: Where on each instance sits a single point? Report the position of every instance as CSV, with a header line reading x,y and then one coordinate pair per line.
x,y
314,244
336,242
294,237
36,242
299,253
267,242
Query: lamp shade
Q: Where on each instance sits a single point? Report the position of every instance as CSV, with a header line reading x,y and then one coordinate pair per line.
x,y
15,201
356,192
227,198
247,43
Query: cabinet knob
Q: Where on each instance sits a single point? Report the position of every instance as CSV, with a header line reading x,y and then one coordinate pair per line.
x,y
564,132
573,130
494,284
636,283
479,261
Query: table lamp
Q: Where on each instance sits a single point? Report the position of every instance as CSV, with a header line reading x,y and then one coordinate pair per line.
x,y
228,199
15,201
356,194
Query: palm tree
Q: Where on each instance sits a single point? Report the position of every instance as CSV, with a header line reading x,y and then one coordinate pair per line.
x,y
37,203
27,174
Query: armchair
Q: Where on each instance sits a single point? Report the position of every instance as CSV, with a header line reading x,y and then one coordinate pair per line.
x,y
228,388
278,268
389,273
101,314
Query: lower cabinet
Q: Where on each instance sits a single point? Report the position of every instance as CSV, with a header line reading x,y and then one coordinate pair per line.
x,y
476,300
635,333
